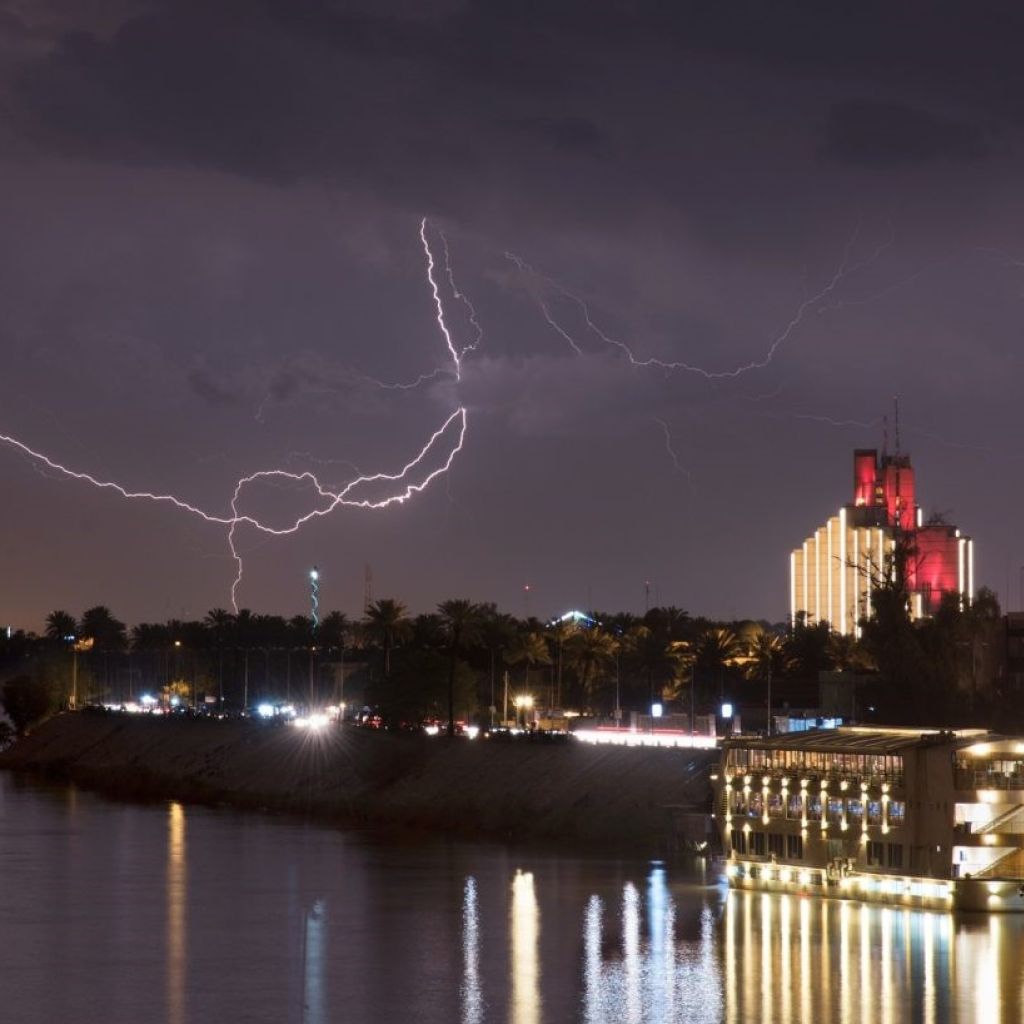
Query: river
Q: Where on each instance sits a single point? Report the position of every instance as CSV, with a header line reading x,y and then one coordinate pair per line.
x,y
114,913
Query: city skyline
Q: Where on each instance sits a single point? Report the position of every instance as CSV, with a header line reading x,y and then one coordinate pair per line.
x,y
699,260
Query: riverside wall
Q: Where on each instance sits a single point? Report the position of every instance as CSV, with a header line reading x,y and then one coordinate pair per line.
x,y
520,789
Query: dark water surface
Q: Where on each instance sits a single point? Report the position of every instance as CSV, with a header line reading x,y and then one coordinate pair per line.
x,y
124,913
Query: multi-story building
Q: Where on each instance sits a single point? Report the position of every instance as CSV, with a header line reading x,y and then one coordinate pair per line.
x,y
923,818
833,573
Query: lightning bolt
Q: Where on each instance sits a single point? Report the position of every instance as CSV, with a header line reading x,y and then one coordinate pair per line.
x,y
399,487
815,301
528,273
456,358
679,468
463,298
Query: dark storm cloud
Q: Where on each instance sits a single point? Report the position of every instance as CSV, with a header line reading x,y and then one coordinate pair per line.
x,y
210,387
493,106
879,133
234,187
576,135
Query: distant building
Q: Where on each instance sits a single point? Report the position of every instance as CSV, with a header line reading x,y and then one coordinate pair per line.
x,y
832,573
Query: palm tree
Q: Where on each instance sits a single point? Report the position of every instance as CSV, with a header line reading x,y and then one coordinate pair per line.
x,y
683,659
846,653
387,623
718,649
462,620
767,658
109,636
589,652
497,631
107,632
60,627
558,632
528,649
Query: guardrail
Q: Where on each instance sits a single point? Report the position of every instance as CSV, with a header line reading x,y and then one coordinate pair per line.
x,y
657,738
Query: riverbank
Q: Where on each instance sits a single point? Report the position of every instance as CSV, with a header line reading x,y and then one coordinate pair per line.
x,y
520,789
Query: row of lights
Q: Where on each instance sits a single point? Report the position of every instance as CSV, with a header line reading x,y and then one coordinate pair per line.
x,y
884,886
784,790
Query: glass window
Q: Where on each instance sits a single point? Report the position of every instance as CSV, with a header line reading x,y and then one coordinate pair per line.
x,y
775,807
776,844
738,840
813,807
874,812
757,843
835,810
897,812
876,854
795,847
795,807
895,855
854,812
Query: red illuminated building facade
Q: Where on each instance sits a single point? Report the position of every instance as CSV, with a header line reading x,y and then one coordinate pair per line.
x,y
832,573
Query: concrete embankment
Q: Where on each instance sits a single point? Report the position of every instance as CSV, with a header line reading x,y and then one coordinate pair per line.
x,y
514,788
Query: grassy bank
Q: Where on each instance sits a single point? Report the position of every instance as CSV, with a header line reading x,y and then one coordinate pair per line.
x,y
519,789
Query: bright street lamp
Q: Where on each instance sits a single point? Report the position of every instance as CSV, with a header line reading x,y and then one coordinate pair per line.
x,y
523,703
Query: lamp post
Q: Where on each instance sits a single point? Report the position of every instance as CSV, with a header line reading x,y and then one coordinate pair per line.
x,y
77,644
177,666
618,704
74,674
693,698
523,703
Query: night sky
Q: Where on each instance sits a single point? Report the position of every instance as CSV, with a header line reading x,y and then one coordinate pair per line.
x,y
210,251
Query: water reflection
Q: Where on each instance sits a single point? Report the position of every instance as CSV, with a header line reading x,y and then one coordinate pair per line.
x,y
525,960
472,999
854,963
177,892
653,975
314,964
264,921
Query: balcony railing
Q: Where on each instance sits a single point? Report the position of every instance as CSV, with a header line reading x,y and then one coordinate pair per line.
x,y
967,779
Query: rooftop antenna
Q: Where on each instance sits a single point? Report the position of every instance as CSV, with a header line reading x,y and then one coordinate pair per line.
x,y
896,423
885,436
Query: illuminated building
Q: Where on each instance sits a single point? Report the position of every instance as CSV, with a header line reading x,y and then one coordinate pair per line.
x,y
922,818
832,574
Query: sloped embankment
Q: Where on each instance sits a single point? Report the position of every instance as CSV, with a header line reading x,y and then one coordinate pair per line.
x,y
524,789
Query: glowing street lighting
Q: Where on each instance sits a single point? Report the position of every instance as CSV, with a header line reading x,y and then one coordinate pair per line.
x,y
523,703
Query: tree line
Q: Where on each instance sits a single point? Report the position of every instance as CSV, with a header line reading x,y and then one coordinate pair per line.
x,y
465,659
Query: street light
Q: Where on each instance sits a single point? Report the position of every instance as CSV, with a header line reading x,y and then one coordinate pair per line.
x,y
523,703
83,644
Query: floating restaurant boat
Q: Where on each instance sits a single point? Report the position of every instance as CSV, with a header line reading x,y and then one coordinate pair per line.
x,y
931,819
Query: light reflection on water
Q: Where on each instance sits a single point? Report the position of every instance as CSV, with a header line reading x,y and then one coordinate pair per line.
x,y
186,915
177,883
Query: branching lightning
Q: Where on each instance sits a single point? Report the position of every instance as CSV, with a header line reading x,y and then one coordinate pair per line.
x,y
460,296
820,299
413,478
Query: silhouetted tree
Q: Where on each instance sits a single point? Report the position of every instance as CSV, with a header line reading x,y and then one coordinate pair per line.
x,y
27,701
387,624
462,620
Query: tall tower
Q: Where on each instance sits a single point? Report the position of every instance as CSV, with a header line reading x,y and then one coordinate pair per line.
x,y
314,597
